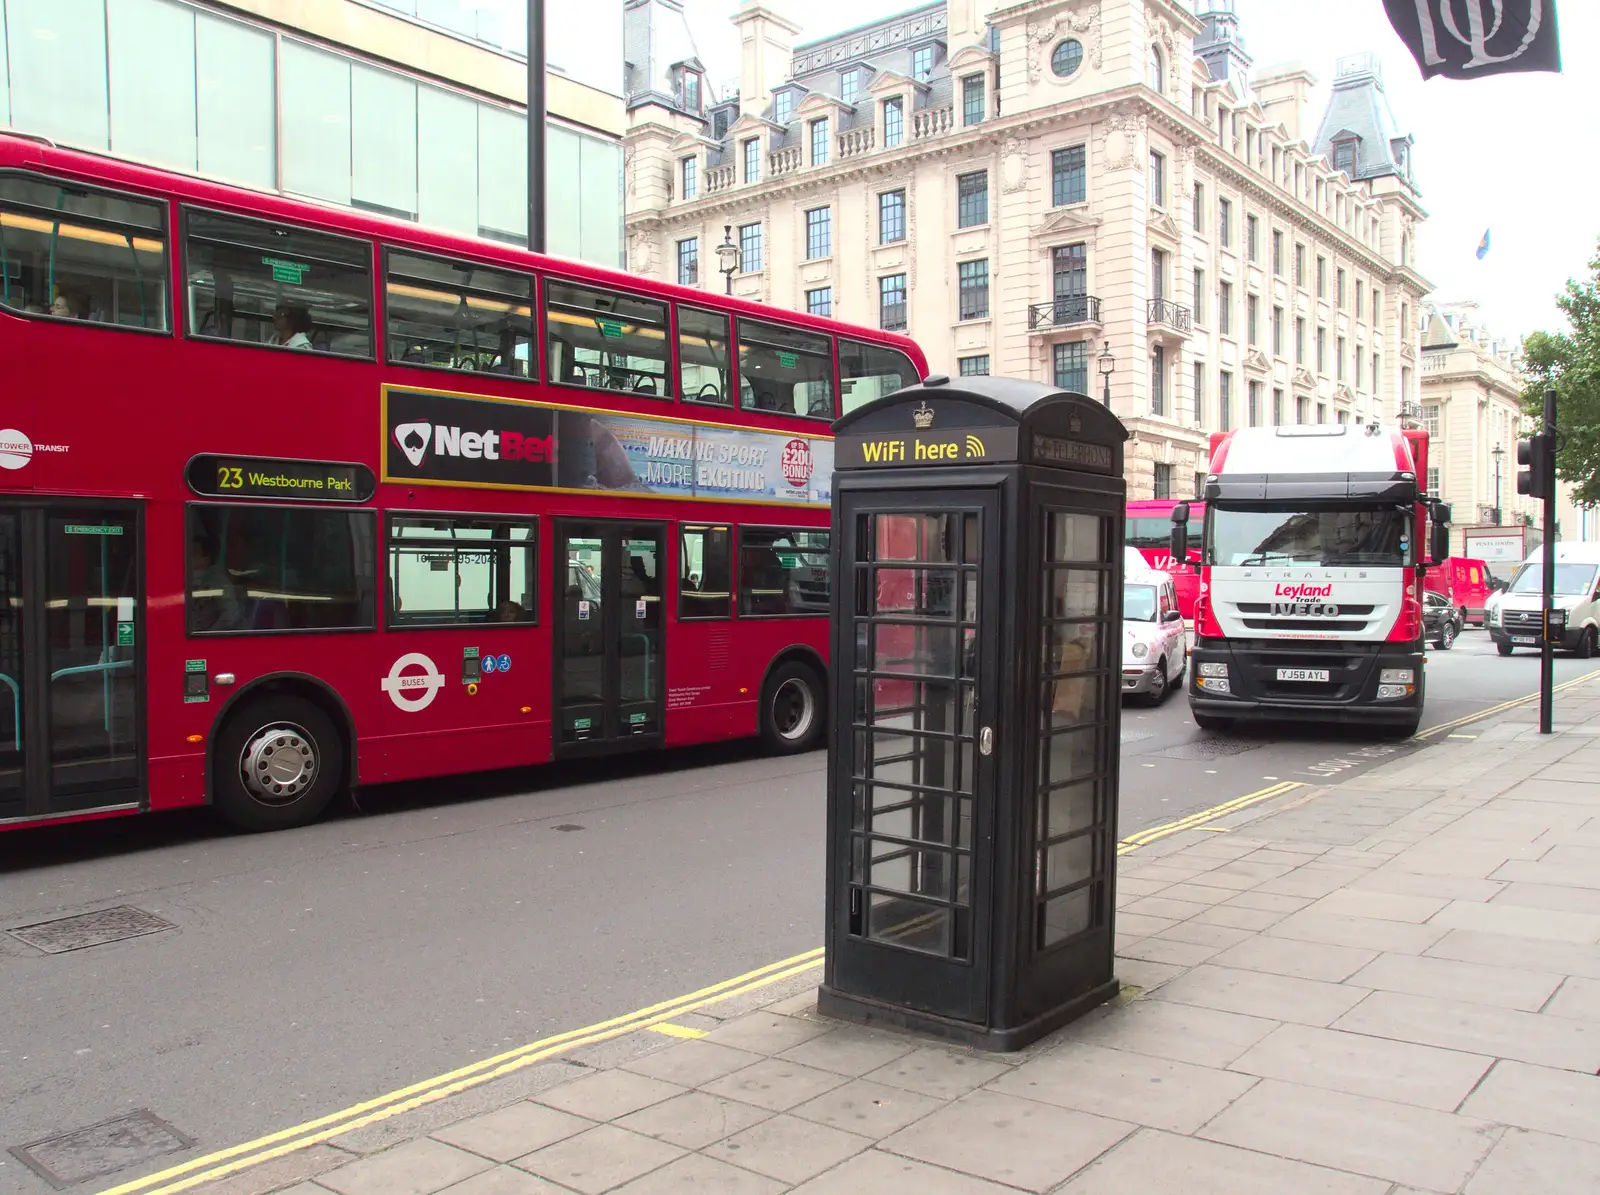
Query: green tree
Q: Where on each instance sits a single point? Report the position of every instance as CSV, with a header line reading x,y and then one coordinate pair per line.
x,y
1570,362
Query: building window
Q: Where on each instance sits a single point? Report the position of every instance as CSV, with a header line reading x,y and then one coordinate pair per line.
x,y
1224,401
691,91
1072,366
922,63
1252,237
1253,403
973,289
1252,312
1322,412
1299,340
1277,331
819,233
1068,174
1158,274
1225,309
1225,223
891,217
1277,253
1199,486
1158,179
848,81
1338,288
691,177
1344,156
1163,481
750,248
1300,266
819,301
1433,483
1430,420
1302,409
752,160
819,142
1277,406
1154,75
894,122
1200,207
782,106
972,100
1377,306
974,367
1066,58
1322,349
1356,361
892,302
1338,358
1199,392
1360,295
689,262
1343,417
1376,372
1069,267
972,199
1322,277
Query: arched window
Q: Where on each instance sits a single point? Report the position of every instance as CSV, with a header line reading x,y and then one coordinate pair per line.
x,y
1156,73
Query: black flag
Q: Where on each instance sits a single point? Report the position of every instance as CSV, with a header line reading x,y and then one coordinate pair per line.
x,y
1468,39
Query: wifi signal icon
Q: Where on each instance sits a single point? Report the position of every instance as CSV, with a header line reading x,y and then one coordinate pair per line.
x,y
975,446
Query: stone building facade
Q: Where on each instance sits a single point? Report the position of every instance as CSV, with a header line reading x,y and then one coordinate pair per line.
x,y
1035,189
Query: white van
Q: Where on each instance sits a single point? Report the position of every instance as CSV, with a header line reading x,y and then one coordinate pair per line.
x,y
1514,619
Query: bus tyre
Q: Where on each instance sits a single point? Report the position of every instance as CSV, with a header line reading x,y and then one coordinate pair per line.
x,y
1212,722
1503,648
792,709
277,764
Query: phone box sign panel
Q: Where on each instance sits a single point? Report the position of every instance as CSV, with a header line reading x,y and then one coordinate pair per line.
x,y
518,445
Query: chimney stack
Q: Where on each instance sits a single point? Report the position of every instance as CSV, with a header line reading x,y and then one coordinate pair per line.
x,y
766,54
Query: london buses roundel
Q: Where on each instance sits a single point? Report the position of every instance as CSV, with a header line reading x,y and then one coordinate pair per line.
x,y
413,691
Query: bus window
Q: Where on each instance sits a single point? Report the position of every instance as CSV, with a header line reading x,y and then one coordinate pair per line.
x,y
704,572
457,315
255,569
606,341
270,284
80,254
703,357
785,370
461,570
782,571
867,371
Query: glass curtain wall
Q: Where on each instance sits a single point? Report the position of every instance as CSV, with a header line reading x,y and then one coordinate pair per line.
x,y
162,82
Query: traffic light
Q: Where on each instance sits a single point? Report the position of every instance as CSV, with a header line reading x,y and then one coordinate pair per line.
x,y
1537,474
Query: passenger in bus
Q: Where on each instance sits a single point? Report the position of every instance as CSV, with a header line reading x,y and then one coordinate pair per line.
x,y
509,611
293,325
70,305
214,595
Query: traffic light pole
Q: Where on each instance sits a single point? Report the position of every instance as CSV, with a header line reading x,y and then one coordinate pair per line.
x,y
1547,661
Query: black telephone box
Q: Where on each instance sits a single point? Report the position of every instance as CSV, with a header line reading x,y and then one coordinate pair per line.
x,y
973,752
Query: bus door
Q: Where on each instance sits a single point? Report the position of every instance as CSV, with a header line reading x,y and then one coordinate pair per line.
x,y
71,659
610,666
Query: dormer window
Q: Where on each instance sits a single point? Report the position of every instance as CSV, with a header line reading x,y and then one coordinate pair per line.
x,y
1344,156
689,89
849,81
922,63
782,106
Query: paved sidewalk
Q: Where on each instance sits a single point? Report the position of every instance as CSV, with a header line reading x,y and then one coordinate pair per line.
x,y
1387,986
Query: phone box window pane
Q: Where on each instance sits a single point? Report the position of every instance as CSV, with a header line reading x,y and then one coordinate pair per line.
x,y
1073,537
1065,916
1073,593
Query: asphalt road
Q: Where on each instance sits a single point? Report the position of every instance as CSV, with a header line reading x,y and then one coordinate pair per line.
x,y
313,969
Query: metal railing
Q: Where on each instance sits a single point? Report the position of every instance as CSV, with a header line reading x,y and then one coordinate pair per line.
x,y
1064,312
1174,315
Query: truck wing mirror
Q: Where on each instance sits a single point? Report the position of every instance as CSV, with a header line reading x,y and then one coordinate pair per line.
x,y
1180,514
1441,513
1439,542
1180,544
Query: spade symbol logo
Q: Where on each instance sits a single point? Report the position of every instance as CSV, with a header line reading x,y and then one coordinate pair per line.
x,y
413,440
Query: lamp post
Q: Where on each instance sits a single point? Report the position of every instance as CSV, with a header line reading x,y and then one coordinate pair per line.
x,y
1108,366
536,127
728,256
1498,454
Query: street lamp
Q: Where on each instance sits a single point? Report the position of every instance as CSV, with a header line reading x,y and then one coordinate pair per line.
x,y
1108,366
1498,454
728,255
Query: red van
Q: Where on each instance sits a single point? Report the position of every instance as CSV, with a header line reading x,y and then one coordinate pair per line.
x,y
1465,582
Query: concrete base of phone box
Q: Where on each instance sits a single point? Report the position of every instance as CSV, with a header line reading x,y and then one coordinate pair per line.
x,y
864,1011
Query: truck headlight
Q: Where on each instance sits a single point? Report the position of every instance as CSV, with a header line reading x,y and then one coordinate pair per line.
x,y
1140,651
1390,692
1395,676
1212,684
1213,670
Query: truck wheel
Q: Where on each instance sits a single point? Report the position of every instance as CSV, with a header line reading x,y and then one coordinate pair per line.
x,y
792,709
1503,648
276,764
1406,729
1212,722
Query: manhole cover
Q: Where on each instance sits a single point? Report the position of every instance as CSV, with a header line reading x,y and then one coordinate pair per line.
x,y
1208,749
90,929
100,1149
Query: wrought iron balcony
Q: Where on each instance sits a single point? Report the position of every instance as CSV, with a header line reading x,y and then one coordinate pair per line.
x,y
1173,315
1064,312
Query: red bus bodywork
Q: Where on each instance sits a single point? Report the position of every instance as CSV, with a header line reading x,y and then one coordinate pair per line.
x,y
113,418
1149,529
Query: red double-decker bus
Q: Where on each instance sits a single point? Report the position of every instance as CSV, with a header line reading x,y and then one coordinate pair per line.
x,y
293,498
1148,527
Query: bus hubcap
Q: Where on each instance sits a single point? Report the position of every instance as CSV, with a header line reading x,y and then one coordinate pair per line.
x,y
794,707
278,764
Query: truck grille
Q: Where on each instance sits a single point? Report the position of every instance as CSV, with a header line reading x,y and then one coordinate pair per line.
x,y
1258,616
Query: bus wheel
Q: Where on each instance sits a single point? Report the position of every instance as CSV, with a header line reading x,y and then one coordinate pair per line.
x,y
792,709
277,764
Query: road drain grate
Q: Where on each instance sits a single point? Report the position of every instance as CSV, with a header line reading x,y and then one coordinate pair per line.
x,y
101,1149
90,929
1210,748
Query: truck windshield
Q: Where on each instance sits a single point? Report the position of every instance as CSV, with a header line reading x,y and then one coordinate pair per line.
x,y
1375,536
1138,603
1570,579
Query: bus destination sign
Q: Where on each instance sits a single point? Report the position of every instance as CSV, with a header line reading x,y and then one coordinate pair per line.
x,y
444,439
273,477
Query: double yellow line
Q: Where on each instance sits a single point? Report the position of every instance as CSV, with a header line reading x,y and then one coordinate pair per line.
x,y
224,1162
1145,837
1444,727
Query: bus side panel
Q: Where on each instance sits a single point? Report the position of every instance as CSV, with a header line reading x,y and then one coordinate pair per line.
x,y
715,672
176,768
